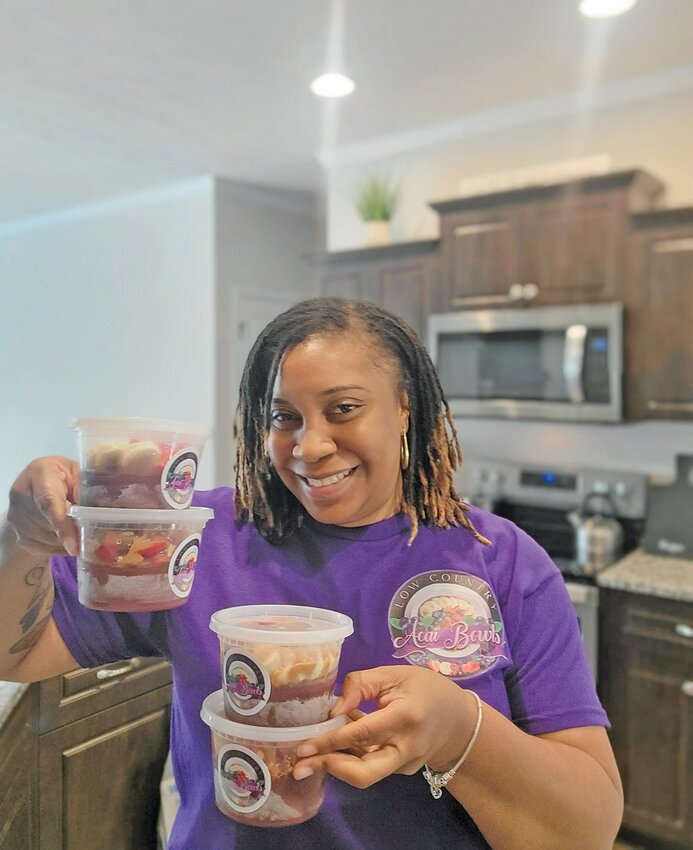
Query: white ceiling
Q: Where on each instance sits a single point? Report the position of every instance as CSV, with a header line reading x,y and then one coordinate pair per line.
x,y
99,99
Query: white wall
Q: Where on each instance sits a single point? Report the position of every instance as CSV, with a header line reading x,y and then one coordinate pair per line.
x,y
652,133
261,237
106,310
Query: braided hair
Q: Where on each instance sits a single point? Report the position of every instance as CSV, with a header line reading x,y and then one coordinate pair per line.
x,y
428,493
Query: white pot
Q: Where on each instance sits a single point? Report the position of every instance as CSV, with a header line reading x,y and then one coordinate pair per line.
x,y
377,233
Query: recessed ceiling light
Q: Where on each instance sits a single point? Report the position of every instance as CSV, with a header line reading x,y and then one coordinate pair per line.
x,y
332,85
605,8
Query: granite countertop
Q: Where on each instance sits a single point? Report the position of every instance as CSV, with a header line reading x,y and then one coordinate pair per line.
x,y
10,694
640,572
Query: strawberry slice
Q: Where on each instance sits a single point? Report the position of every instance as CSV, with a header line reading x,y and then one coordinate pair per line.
x,y
110,547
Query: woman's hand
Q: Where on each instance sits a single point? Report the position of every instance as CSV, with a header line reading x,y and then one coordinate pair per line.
x,y
422,718
39,500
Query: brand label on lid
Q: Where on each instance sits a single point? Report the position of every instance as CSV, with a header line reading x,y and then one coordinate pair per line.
x,y
181,567
244,779
178,478
247,685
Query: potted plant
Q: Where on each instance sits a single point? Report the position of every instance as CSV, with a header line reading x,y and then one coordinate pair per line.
x,y
375,203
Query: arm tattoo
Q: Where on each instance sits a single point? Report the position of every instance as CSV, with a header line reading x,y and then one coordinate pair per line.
x,y
32,627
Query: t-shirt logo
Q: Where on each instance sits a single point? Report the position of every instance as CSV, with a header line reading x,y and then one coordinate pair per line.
x,y
449,622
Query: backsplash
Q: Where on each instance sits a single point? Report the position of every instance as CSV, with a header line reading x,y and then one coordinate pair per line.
x,y
647,447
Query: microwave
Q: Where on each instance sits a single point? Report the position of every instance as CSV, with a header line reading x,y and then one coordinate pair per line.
x,y
559,363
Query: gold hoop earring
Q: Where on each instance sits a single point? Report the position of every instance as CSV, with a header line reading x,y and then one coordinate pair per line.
x,y
403,450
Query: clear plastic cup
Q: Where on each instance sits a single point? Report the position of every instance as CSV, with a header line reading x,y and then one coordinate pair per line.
x,y
279,662
252,769
138,463
132,560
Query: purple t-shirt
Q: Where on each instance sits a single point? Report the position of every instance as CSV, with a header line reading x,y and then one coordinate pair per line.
x,y
498,620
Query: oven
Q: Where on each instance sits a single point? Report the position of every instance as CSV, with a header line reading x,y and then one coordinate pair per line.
x,y
538,499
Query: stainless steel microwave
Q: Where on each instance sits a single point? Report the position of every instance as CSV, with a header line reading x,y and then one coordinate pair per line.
x,y
563,363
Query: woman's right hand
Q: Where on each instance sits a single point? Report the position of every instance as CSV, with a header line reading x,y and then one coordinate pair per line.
x,y
39,501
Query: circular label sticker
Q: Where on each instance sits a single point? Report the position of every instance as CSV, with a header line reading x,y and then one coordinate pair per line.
x,y
178,478
181,567
244,779
449,622
246,683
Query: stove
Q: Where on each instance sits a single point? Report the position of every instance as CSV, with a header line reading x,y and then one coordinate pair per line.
x,y
538,499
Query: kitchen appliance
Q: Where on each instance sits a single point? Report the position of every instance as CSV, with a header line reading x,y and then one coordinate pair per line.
x,y
669,528
539,498
598,535
562,363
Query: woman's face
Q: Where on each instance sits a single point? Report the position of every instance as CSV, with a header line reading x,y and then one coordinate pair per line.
x,y
336,420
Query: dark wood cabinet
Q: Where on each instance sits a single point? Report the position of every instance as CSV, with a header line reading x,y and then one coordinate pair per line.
x,y
99,778
402,278
81,758
483,255
19,779
559,244
661,316
646,676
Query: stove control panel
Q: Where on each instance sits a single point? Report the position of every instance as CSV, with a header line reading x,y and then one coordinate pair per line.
x,y
485,482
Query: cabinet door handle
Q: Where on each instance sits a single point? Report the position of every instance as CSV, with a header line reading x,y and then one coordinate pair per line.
x,y
112,672
687,688
671,406
683,630
530,291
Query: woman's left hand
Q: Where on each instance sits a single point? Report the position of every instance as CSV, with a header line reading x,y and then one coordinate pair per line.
x,y
422,718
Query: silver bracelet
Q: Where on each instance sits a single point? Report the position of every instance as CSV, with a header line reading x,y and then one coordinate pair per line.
x,y
438,781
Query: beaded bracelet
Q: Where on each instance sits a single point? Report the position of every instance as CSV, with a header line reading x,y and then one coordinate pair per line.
x,y
438,781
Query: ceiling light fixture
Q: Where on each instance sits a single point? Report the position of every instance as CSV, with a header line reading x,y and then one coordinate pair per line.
x,y
332,85
605,8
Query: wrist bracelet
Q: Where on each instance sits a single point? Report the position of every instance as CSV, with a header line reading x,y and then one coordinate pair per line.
x,y
438,781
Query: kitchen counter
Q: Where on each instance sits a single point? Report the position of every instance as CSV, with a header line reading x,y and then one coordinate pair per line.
x,y
640,572
10,694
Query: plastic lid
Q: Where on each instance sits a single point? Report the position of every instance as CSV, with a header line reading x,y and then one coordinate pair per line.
x,y
212,712
284,624
127,424
135,516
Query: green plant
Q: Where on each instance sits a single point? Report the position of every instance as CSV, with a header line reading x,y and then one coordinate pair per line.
x,y
376,199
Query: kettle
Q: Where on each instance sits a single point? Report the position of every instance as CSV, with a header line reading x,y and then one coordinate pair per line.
x,y
598,535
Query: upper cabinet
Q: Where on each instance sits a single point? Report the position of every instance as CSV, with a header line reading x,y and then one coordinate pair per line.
x,y
544,245
401,278
588,241
661,315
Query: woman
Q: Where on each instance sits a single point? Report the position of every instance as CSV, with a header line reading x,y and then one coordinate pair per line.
x,y
465,638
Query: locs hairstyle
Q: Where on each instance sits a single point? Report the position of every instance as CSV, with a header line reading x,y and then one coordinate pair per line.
x,y
428,493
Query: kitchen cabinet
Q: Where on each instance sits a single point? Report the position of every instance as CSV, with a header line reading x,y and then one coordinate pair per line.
x,y
646,678
81,758
402,278
661,316
19,779
103,737
99,777
557,244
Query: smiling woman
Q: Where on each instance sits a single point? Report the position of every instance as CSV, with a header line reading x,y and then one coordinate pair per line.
x,y
344,390
465,639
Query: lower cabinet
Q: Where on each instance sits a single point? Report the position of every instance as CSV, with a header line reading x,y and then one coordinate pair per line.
x,y
81,759
99,778
646,675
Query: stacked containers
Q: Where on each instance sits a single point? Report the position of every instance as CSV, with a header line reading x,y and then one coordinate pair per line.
x,y
279,666
139,538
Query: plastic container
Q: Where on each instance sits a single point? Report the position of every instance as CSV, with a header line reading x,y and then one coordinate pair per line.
x,y
132,560
279,662
138,463
252,769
